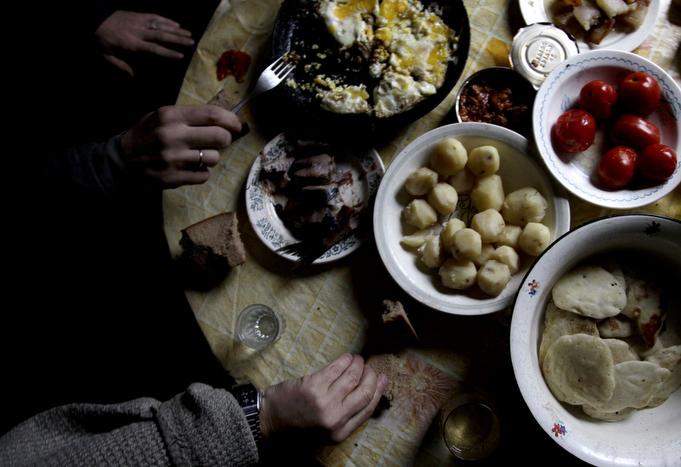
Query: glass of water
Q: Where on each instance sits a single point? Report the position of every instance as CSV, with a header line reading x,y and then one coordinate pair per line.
x,y
470,427
258,326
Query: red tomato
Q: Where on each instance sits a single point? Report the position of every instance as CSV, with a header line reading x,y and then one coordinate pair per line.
x,y
616,167
574,131
630,130
657,162
639,93
598,97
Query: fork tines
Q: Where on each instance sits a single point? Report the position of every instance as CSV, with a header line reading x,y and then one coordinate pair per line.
x,y
307,252
282,66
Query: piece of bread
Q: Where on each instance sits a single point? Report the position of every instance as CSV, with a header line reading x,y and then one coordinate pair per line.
x,y
396,318
212,247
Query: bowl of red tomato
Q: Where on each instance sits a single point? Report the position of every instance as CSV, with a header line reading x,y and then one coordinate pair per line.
x,y
608,126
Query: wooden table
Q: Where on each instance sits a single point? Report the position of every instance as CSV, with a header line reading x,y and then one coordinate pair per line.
x,y
331,310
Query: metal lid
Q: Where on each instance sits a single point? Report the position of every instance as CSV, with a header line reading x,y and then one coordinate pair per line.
x,y
538,48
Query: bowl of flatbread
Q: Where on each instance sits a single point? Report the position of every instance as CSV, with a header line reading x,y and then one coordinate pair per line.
x,y
596,341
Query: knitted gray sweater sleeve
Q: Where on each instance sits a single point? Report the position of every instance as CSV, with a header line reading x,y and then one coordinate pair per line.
x,y
202,426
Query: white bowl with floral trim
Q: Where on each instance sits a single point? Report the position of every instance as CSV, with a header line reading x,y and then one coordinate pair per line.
x,y
577,172
649,437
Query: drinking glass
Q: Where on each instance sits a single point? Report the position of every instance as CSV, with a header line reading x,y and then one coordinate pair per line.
x,y
258,326
470,427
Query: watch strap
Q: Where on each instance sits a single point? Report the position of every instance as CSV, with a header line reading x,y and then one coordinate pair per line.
x,y
250,401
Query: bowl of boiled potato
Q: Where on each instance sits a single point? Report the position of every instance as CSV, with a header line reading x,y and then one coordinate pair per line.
x,y
461,214
596,341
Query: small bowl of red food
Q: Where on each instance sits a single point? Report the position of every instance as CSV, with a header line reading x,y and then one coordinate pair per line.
x,y
608,127
497,95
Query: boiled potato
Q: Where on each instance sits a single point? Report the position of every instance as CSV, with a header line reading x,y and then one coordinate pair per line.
x,y
458,274
489,224
467,245
493,277
451,227
420,181
507,255
419,214
509,236
488,193
523,206
443,198
449,157
485,254
534,238
463,181
431,252
416,239
483,160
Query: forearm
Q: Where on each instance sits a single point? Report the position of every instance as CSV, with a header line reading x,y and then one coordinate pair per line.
x,y
202,426
95,167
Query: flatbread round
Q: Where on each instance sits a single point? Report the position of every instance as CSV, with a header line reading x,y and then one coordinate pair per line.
x,y
590,291
607,416
669,358
635,385
579,369
559,323
621,352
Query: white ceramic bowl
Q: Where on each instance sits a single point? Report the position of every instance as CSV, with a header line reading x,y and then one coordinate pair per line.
x,y
518,169
647,437
576,172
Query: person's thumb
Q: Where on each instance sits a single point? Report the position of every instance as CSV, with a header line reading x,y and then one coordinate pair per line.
x,y
120,64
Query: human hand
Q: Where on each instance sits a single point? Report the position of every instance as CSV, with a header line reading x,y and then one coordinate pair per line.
x,y
176,145
126,31
334,401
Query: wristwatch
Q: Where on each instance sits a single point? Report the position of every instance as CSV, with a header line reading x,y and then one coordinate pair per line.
x,y
250,400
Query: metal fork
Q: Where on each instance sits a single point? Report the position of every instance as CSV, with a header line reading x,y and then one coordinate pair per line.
x,y
268,79
308,252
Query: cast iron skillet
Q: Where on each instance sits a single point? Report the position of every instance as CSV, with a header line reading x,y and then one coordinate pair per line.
x,y
297,27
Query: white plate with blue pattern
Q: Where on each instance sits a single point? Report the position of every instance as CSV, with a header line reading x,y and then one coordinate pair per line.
x,y
366,167
577,172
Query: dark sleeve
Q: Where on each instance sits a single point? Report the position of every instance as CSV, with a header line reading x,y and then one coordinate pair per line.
x,y
202,426
93,167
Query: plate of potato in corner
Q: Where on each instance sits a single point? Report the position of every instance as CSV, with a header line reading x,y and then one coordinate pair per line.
x,y
600,24
596,341
461,214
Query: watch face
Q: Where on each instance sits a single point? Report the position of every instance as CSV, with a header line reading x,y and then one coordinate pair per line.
x,y
246,395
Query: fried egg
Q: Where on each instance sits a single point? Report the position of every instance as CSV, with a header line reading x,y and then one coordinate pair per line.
x,y
408,48
349,21
346,99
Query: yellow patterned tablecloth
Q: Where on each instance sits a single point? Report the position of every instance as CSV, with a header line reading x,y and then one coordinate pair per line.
x,y
329,311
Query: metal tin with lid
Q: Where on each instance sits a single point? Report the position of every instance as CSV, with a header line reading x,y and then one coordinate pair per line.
x,y
538,48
